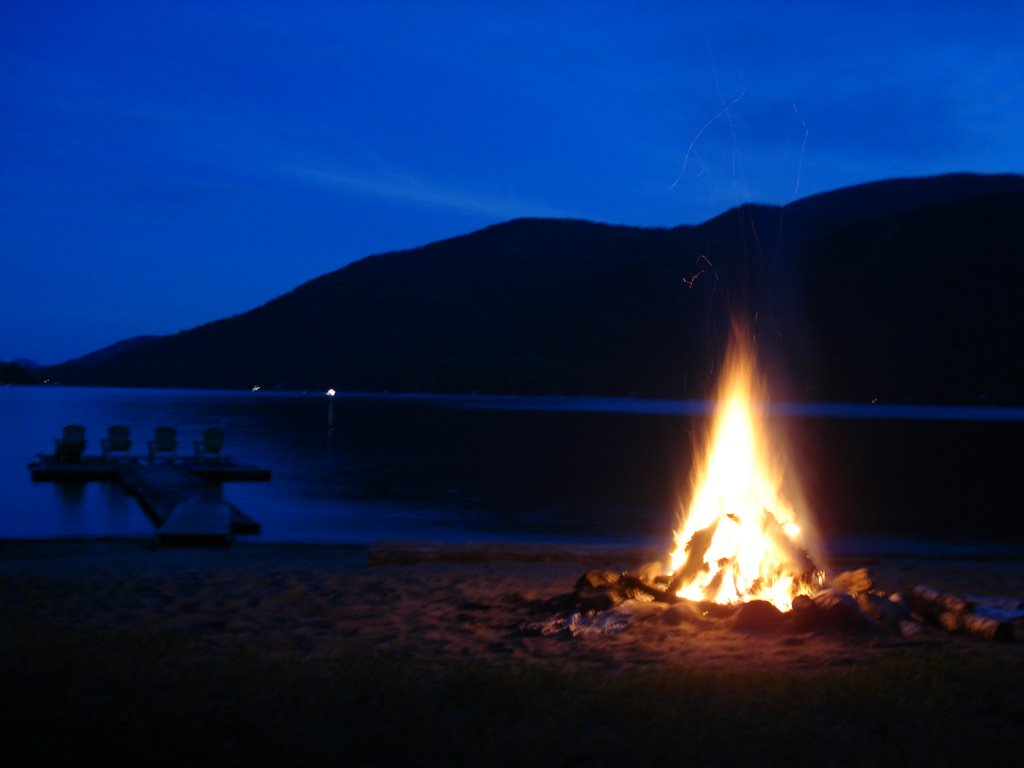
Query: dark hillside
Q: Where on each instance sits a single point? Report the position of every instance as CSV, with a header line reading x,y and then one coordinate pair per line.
x,y
112,350
527,306
924,306
901,290
830,211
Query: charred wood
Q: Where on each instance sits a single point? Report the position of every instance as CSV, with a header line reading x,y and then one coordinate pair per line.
x,y
630,581
594,579
827,610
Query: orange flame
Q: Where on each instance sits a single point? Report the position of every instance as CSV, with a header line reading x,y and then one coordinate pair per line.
x,y
741,539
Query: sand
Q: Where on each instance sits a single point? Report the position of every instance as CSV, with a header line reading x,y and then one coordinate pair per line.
x,y
441,604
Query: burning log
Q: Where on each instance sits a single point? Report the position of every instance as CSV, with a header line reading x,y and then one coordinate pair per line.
x,y
799,561
850,604
829,609
792,562
696,548
952,613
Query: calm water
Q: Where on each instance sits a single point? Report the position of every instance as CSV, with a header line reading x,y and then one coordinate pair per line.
x,y
358,469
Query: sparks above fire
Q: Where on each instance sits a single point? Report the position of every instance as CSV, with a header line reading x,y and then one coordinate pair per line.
x,y
740,538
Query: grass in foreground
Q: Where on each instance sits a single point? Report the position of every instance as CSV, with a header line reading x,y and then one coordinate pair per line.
x,y
152,698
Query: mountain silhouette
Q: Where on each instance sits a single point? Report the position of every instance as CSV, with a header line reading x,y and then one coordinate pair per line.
x,y
899,290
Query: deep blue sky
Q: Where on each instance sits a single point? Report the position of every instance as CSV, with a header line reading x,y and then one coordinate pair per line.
x,y
163,164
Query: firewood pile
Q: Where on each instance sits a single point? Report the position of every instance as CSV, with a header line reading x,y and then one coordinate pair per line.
x,y
980,617
851,602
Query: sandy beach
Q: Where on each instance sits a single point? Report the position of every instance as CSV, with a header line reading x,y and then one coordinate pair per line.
x,y
440,611
438,603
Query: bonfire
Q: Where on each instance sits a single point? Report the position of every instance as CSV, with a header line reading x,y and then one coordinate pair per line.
x,y
741,538
745,548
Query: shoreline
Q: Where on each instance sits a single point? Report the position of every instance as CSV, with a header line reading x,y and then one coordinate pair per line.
x,y
663,405
843,550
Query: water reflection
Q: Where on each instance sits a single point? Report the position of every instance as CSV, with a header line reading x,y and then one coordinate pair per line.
x,y
72,495
119,505
330,419
359,468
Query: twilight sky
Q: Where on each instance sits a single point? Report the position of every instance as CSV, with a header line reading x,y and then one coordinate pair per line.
x,y
166,163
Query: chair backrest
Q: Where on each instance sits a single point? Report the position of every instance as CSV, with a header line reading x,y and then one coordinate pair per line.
x,y
165,438
213,439
119,437
73,434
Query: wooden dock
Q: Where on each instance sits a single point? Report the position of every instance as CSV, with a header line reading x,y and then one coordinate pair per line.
x,y
182,498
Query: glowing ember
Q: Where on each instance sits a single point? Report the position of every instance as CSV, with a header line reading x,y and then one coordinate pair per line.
x,y
740,539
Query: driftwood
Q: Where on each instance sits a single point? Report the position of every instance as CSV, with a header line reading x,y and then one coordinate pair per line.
x,y
952,613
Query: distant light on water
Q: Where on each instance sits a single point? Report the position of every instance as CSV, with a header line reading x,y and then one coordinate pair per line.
x,y
330,393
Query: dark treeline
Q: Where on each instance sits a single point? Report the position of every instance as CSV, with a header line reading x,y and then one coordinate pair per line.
x,y
16,372
904,290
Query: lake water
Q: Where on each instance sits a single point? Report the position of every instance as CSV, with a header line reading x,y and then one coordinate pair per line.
x,y
356,469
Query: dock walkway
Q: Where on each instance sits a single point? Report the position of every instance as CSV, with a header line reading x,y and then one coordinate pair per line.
x,y
182,498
